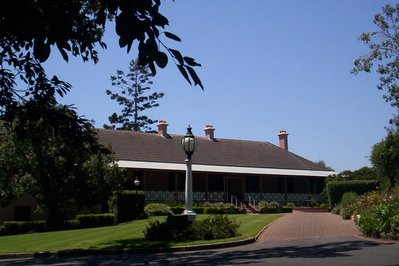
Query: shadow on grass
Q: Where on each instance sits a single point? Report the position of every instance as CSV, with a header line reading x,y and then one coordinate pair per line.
x,y
239,255
135,243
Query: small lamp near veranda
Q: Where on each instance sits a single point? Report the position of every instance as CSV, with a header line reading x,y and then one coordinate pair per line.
x,y
136,183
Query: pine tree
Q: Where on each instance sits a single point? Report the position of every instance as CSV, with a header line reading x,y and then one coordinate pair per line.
x,y
134,97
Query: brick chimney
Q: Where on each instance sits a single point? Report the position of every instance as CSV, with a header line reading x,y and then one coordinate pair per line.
x,y
283,139
163,128
210,132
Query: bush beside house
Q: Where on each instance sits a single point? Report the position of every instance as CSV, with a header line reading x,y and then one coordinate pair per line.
x,y
336,189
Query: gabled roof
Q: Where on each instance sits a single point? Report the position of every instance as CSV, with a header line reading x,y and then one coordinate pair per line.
x,y
131,146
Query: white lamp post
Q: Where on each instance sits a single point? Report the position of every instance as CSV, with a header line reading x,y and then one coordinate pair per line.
x,y
188,145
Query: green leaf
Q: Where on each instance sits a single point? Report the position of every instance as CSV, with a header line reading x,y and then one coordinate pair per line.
x,y
41,50
122,42
161,59
178,56
129,44
152,67
151,48
160,20
190,61
184,73
63,53
194,77
172,36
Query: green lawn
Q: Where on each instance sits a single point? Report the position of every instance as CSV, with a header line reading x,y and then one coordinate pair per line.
x,y
128,235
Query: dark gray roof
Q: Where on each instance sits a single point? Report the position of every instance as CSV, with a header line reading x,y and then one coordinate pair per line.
x,y
148,147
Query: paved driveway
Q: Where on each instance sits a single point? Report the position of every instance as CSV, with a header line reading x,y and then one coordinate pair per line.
x,y
295,239
309,225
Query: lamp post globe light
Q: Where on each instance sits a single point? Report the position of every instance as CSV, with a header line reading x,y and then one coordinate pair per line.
x,y
136,183
188,145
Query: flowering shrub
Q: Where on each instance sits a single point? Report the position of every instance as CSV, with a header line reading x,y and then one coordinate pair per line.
x,y
366,202
379,214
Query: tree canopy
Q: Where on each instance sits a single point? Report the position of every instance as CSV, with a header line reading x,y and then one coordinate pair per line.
x,y
364,173
384,54
57,161
30,29
385,158
134,98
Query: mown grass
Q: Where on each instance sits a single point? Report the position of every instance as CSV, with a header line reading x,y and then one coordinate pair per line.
x,y
128,235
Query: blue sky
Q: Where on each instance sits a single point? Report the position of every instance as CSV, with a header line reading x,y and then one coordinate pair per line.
x,y
266,66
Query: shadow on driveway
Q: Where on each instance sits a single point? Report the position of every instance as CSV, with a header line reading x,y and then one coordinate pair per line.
x,y
257,254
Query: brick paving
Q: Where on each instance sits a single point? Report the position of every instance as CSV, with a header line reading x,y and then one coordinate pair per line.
x,y
309,225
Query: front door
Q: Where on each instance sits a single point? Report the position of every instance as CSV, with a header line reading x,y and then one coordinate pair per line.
x,y
235,187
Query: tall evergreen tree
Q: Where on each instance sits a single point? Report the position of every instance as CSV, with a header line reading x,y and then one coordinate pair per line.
x,y
134,98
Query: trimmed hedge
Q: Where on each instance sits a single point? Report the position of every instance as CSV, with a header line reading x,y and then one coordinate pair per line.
x,y
197,210
157,209
14,227
95,220
124,204
336,189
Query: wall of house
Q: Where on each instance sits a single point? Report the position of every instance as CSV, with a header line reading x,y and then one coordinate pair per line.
x,y
270,184
157,180
220,187
21,209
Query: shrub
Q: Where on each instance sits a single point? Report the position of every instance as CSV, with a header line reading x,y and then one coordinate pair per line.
x,y
336,189
345,213
157,230
285,209
368,223
346,208
127,205
323,205
382,218
216,227
269,207
215,204
395,224
335,210
262,204
290,205
198,210
216,210
348,198
366,202
386,213
212,227
14,227
157,209
178,209
95,220
72,224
